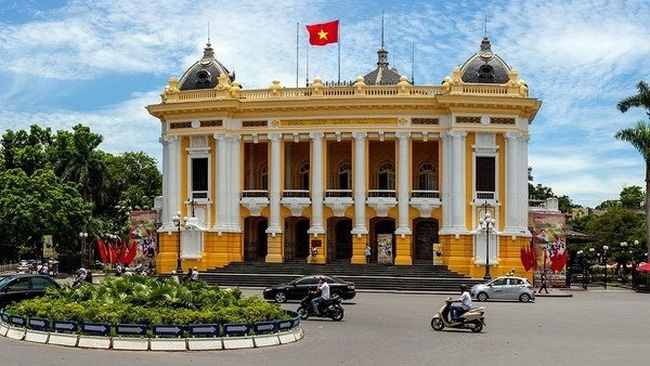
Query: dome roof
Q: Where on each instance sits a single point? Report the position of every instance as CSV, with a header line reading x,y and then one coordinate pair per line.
x,y
204,74
485,66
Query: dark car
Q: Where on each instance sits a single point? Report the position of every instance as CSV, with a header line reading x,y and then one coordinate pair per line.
x,y
300,287
23,286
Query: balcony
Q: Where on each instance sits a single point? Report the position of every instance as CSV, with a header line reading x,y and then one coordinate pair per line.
x,y
197,195
381,200
295,200
255,200
425,201
485,195
338,200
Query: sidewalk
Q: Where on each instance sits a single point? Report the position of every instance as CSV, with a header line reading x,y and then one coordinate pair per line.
x,y
555,292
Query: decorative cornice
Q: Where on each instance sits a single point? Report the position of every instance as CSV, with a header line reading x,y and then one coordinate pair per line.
x,y
359,135
316,135
457,135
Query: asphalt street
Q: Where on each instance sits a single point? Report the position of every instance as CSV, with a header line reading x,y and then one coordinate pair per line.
x,y
591,328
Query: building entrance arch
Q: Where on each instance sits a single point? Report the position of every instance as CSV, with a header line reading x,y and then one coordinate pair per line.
x,y
380,226
296,239
339,234
425,235
255,239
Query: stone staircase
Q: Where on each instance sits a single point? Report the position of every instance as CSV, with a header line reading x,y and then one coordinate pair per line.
x,y
418,277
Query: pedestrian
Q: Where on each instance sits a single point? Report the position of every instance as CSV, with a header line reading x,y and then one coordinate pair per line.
x,y
368,253
543,286
81,277
195,275
511,273
175,277
188,276
118,270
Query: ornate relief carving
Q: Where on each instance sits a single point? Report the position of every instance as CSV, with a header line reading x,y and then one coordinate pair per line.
x,y
465,119
176,125
249,124
212,123
355,121
503,121
425,121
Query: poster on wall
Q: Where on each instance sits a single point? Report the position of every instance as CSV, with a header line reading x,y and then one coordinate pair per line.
x,y
143,234
385,248
549,244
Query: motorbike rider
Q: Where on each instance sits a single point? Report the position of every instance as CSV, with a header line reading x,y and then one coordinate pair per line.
x,y
324,290
465,300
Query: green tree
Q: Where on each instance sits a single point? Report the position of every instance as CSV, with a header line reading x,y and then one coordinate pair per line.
x,y
632,197
617,224
639,137
31,206
26,150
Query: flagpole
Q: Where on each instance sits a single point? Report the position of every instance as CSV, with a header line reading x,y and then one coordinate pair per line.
x,y
339,44
297,50
307,67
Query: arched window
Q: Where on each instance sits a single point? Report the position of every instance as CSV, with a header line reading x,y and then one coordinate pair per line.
x,y
345,175
386,176
264,177
427,177
303,175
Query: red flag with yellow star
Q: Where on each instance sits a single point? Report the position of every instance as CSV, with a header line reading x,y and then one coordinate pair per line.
x,y
323,34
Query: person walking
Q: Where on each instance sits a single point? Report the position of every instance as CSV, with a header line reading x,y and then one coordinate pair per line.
x,y
368,254
175,277
544,284
195,274
188,275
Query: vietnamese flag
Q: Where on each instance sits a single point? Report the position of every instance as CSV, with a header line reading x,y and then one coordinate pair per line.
x,y
323,34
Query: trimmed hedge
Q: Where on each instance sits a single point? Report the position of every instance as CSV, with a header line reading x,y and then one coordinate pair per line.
x,y
149,301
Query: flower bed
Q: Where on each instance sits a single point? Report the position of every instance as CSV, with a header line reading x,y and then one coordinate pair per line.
x,y
148,301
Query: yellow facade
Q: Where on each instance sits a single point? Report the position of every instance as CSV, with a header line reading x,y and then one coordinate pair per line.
x,y
433,123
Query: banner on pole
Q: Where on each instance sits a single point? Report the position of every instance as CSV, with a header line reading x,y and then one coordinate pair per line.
x,y
385,248
549,244
48,247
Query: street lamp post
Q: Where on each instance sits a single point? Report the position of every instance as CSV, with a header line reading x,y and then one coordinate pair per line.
x,y
84,249
178,222
191,202
581,255
622,272
605,249
487,225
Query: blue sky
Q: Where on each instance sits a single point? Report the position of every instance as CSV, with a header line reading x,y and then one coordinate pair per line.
x,y
100,62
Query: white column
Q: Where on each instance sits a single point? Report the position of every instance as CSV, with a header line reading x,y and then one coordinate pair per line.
x,y
235,183
458,181
222,182
175,175
167,213
523,181
513,200
274,189
445,194
316,170
403,227
359,183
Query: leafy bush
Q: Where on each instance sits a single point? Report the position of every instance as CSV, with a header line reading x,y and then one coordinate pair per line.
x,y
142,300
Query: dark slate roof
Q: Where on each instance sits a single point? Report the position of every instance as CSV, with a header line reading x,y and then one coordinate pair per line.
x,y
485,66
204,74
382,75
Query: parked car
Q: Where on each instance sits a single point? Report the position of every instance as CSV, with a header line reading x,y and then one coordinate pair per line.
x,y
24,267
300,287
19,287
504,288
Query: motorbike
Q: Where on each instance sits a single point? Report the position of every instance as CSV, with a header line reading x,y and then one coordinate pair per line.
x,y
472,319
329,309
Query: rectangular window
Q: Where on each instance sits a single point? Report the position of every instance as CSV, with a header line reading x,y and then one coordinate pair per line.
x,y
485,174
200,178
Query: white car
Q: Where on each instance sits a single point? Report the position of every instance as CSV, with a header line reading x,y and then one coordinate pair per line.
x,y
504,288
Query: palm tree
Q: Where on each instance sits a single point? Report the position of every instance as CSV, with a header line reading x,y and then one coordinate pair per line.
x,y
639,137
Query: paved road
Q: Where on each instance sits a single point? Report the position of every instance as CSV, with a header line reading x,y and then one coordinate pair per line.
x,y
593,328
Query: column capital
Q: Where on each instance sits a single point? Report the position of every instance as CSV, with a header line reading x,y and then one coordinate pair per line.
x,y
359,135
275,136
513,135
220,136
166,139
403,135
235,138
316,135
457,135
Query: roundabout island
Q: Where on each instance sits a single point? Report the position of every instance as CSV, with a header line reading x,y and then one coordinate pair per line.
x,y
139,313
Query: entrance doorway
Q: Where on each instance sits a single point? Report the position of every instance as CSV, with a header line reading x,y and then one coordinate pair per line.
x,y
378,226
255,242
296,239
339,232
425,235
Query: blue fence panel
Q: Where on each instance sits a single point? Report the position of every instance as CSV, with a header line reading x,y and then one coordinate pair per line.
x,y
204,330
168,330
264,327
96,328
296,321
284,324
39,323
18,320
131,329
238,329
63,326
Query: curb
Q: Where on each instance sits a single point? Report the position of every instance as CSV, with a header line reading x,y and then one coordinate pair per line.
x,y
152,344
